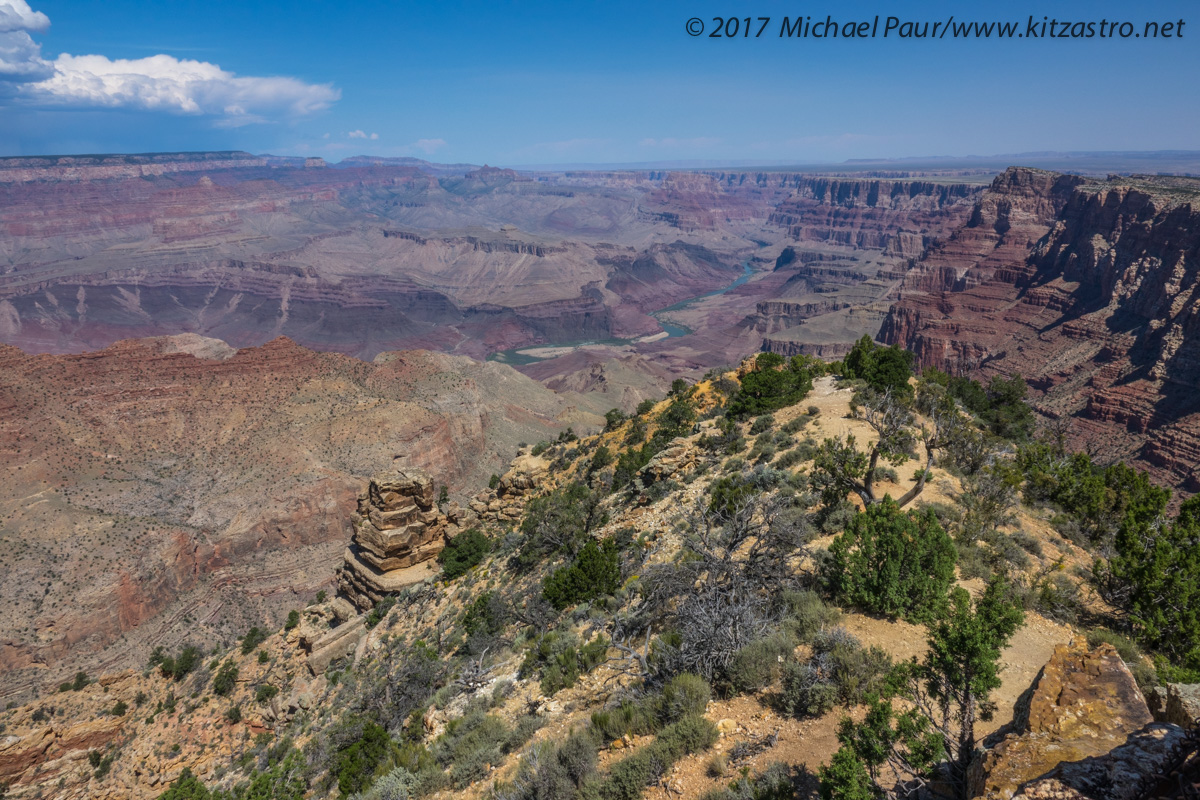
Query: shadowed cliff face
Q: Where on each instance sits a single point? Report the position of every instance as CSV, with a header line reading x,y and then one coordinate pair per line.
x,y
175,489
1092,291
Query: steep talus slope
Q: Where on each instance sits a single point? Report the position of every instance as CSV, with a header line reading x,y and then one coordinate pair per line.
x,y
1087,289
154,493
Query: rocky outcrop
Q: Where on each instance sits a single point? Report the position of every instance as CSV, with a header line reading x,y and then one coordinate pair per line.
x,y
329,632
1089,290
90,168
676,460
1084,730
505,502
397,527
1177,703
1126,772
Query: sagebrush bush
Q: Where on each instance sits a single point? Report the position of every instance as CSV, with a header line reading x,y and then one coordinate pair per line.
x,y
549,772
790,458
841,671
806,614
756,665
633,717
399,784
630,776
795,426
476,740
684,695
561,658
1027,542
762,424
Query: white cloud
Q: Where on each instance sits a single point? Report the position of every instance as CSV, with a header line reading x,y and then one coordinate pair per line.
x,y
16,15
360,135
20,56
157,83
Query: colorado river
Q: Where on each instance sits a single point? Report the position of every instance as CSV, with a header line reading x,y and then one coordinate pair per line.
x,y
529,354
680,330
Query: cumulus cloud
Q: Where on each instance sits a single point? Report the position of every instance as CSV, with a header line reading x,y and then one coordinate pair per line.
x,y
16,15
157,83
360,135
20,56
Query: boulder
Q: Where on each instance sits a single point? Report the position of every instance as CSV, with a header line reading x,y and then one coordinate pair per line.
x,y
1124,773
337,643
1083,719
676,459
1177,703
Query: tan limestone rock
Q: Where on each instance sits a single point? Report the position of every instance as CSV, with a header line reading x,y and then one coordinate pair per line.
x,y
1177,703
397,528
1083,716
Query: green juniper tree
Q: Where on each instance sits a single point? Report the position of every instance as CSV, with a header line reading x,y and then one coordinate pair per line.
x,y
892,562
945,695
1154,578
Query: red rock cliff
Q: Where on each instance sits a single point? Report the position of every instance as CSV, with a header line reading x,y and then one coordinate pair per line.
x,y
1091,290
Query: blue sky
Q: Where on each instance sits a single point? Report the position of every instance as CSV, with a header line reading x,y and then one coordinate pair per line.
x,y
581,82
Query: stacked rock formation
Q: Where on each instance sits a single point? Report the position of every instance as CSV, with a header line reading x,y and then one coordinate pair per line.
x,y
397,528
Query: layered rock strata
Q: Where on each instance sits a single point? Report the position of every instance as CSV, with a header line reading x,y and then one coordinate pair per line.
x,y
398,527
1091,290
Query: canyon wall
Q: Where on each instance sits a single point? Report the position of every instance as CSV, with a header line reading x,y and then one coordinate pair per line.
x,y
850,242
175,489
1091,290
360,259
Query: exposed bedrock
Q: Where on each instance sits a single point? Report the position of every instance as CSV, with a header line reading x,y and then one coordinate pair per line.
x,y
896,217
397,526
1091,290
1083,731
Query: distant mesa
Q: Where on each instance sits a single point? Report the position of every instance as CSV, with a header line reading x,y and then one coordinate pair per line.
x,y
25,169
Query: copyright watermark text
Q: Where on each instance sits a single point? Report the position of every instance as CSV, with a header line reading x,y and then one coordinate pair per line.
x,y
888,27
